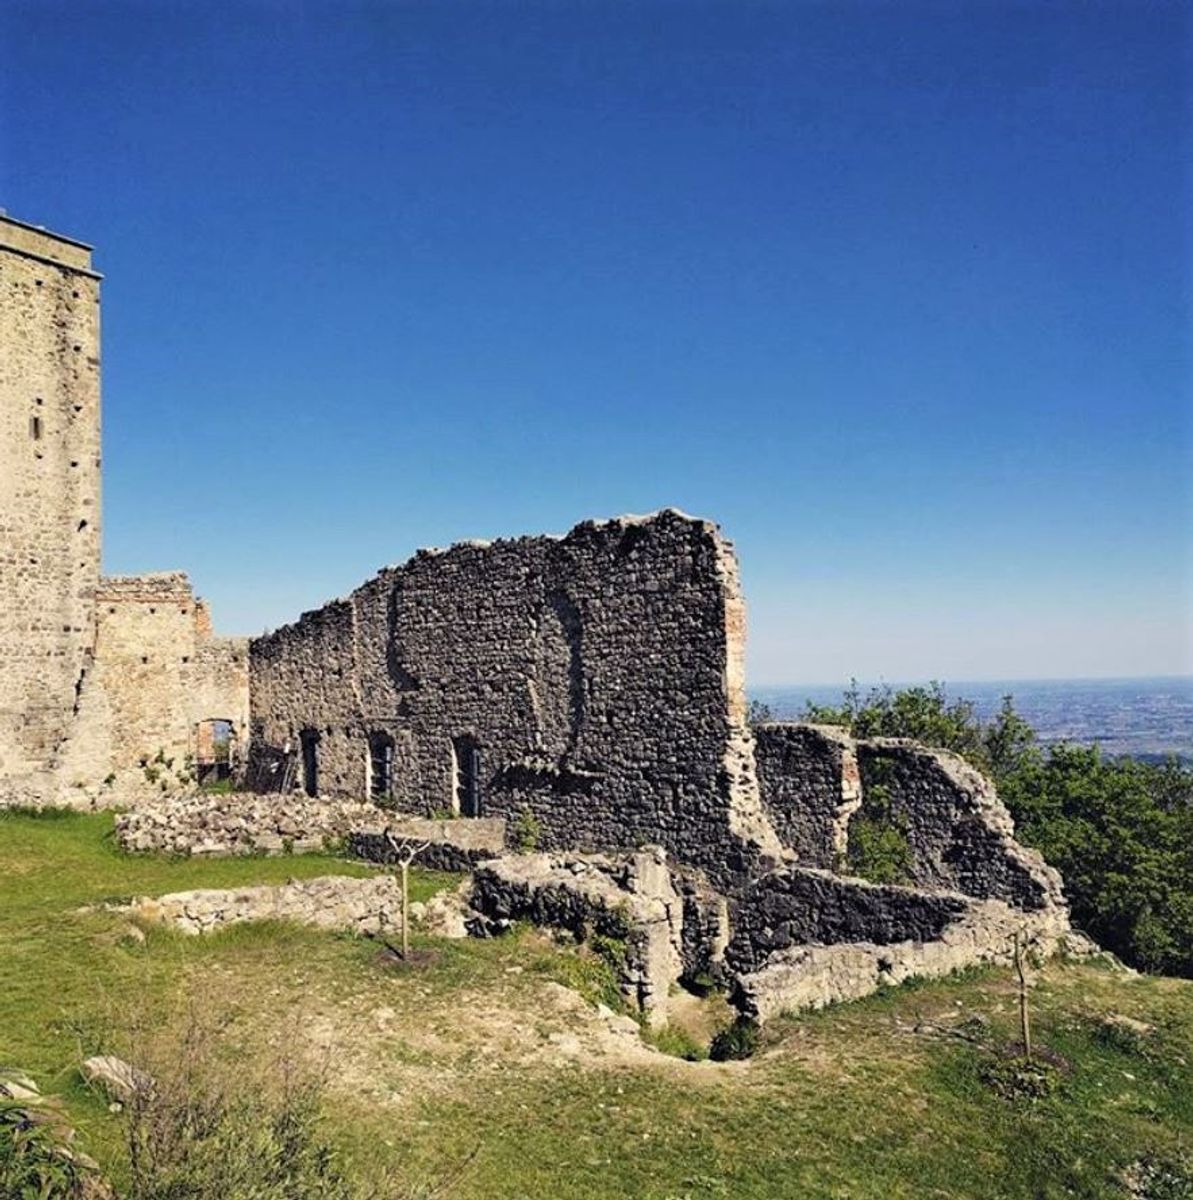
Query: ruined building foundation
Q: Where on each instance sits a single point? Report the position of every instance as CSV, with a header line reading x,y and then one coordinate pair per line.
x,y
581,695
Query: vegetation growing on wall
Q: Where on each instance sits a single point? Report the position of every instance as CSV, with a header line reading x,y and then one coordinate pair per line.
x,y
879,849
1119,830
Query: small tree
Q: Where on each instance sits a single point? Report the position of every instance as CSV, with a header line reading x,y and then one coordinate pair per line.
x,y
405,851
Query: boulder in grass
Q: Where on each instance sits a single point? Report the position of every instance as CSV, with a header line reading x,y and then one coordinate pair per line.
x,y
16,1086
121,1080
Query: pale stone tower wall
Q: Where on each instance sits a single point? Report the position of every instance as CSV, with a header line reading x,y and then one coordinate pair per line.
x,y
49,493
159,674
102,681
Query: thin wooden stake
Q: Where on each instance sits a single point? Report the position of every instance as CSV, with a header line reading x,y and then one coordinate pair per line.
x,y
1024,1020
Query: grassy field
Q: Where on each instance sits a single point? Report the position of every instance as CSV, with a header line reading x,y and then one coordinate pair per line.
x,y
477,1055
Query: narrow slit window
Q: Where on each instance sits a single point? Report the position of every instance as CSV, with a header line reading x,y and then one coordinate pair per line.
x,y
381,766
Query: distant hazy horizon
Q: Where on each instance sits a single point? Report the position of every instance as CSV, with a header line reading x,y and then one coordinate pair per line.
x,y
1147,716
950,685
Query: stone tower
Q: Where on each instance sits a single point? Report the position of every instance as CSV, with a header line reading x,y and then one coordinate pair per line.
x,y
49,493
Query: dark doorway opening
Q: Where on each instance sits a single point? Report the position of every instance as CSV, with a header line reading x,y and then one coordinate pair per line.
x,y
308,740
381,766
467,762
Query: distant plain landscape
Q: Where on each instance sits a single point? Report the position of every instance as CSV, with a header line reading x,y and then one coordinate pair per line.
x,y
1146,718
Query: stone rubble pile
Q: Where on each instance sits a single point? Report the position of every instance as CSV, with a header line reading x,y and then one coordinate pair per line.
x,y
241,823
341,902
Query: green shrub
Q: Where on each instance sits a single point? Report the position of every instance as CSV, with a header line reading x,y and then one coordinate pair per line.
x,y
528,832
675,1041
612,950
739,1040
878,846
35,1160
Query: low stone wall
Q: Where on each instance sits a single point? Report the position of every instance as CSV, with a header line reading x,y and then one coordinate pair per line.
x,y
800,906
240,823
629,899
455,844
329,902
811,976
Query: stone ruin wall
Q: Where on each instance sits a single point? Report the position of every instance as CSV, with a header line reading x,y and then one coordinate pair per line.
x,y
810,784
95,674
598,675
49,493
159,674
815,779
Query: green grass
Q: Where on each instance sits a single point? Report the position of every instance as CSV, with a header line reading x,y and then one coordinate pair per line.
x,y
61,970
847,1103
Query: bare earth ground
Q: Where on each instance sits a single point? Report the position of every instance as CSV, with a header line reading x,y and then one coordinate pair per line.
x,y
505,1055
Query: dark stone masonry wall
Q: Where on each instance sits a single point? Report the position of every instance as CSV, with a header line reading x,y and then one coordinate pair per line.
x,y
794,906
810,786
589,687
961,836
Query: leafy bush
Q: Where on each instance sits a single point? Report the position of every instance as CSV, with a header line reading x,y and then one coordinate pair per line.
x,y
878,848
1119,830
35,1159
923,713
612,949
675,1041
528,832
739,1040
1121,833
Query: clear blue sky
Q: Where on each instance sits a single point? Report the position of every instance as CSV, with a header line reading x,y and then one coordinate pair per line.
x,y
899,293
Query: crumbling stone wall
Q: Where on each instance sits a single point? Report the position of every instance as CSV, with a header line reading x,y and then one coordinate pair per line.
x,y
868,938
366,906
594,679
49,496
960,834
452,844
158,674
797,906
628,903
810,785
815,779
235,823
